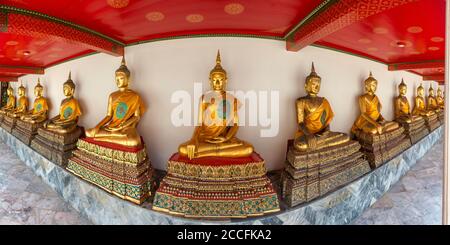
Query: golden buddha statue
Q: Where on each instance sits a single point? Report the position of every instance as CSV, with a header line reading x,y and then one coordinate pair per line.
x,y
432,104
216,136
39,113
69,111
440,99
125,108
11,102
370,120
22,104
402,107
419,105
314,115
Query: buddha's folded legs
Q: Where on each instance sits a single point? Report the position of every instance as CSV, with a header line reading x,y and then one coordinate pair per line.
x,y
61,129
232,148
389,126
127,137
328,139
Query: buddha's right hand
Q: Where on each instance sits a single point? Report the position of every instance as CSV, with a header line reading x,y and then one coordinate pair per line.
x,y
190,151
379,128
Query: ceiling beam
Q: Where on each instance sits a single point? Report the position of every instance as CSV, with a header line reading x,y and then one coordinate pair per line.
x,y
416,65
37,25
437,77
8,79
21,69
333,15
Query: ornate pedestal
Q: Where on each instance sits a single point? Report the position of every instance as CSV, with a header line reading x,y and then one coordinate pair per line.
x,y
381,148
432,122
308,175
123,171
441,117
415,130
1,117
8,123
25,131
56,147
216,187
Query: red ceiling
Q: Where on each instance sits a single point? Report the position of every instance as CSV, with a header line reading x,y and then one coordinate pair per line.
x,y
131,21
134,23
419,25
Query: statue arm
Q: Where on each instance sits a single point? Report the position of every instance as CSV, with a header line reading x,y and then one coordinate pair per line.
x,y
300,106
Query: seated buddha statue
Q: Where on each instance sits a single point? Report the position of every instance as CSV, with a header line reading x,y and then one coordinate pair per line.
x,y
432,104
420,108
216,134
314,115
370,120
69,111
440,99
39,113
22,104
402,109
11,101
125,108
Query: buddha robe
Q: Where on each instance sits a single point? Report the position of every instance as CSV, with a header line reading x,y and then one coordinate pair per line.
x,y
10,104
419,106
370,107
124,105
402,110
69,109
22,106
40,105
314,119
440,102
432,103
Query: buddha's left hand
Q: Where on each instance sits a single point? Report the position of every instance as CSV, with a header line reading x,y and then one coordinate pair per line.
x,y
216,140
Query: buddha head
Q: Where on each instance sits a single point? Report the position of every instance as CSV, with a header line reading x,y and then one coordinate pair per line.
x,y
431,91
370,84
69,86
38,89
21,90
123,75
402,89
420,91
218,76
439,92
312,82
10,90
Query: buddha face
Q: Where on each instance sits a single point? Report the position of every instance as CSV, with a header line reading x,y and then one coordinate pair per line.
x,y
431,92
371,86
38,91
68,90
10,91
420,92
439,92
122,80
21,91
218,81
312,86
402,90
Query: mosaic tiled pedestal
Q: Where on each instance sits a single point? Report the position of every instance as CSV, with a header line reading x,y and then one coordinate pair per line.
x,y
339,207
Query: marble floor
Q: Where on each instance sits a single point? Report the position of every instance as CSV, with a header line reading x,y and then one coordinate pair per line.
x,y
26,199
416,199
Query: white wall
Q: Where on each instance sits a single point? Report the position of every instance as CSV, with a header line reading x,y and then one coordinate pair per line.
x,y
160,68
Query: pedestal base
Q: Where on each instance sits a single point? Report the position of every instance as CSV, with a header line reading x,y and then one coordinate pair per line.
x,y
380,148
123,171
8,123
216,187
56,147
415,130
26,131
441,117
432,122
309,175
